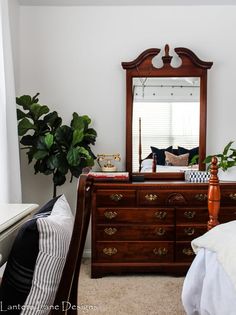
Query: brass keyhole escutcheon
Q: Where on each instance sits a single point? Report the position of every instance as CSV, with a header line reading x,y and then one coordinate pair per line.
x,y
189,231
188,252
160,231
160,251
160,214
201,197
116,197
232,196
151,197
110,251
189,214
110,214
110,231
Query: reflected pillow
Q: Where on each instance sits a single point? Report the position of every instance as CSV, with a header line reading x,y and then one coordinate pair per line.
x,y
176,160
160,154
192,152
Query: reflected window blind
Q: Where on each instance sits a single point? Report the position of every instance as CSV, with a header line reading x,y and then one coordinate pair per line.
x,y
163,125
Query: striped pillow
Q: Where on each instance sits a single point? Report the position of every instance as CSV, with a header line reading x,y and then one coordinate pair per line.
x,y
54,239
18,274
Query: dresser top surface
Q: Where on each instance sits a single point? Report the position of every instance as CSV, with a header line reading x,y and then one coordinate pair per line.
x,y
158,184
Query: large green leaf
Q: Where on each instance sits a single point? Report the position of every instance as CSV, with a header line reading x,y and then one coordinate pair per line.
x,y
77,122
41,127
41,145
64,136
30,154
226,148
53,120
73,156
78,136
20,114
28,140
52,162
38,110
25,101
40,154
48,140
24,125
90,136
62,163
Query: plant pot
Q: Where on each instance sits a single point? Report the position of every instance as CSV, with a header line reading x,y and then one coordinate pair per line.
x,y
229,175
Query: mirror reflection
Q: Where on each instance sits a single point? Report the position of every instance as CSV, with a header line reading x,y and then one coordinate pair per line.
x,y
166,120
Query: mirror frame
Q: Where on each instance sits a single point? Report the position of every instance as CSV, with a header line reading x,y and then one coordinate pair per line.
x,y
142,66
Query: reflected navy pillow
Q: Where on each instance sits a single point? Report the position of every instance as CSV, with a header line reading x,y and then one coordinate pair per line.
x,y
160,154
192,152
18,274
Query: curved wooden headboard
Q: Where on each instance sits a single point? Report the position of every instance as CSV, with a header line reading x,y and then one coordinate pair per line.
x,y
213,195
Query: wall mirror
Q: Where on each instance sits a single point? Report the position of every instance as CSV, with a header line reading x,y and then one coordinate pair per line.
x,y
166,109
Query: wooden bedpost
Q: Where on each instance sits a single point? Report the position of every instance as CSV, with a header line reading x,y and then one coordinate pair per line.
x,y
213,195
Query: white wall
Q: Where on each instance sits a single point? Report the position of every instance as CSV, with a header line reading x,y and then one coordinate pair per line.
x,y
72,56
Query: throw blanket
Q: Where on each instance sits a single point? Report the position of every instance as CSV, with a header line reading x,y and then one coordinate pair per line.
x,y
221,240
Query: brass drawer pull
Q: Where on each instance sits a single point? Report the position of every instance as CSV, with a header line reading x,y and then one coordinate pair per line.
x,y
232,196
151,197
110,231
110,251
200,197
116,197
189,231
160,231
160,214
188,252
110,214
160,251
189,214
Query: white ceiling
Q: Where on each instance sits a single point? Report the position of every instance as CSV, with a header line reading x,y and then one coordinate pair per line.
x,y
127,2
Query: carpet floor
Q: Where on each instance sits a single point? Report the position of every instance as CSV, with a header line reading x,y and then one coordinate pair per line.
x,y
129,294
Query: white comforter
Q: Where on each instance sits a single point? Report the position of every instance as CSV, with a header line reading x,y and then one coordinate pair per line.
x,y
210,285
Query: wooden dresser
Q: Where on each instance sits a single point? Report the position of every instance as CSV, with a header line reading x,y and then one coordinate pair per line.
x,y
148,226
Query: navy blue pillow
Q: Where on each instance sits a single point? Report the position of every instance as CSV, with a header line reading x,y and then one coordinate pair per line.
x,y
18,275
192,152
160,154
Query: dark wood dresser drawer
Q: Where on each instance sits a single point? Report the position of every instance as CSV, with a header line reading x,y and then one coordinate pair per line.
x,y
172,198
227,214
134,251
189,232
228,197
191,215
197,197
135,232
135,215
184,252
151,198
116,198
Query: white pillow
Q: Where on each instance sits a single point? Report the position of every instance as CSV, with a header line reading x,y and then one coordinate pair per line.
x,y
54,240
147,163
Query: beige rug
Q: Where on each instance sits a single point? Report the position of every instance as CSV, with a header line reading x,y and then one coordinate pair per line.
x,y
129,294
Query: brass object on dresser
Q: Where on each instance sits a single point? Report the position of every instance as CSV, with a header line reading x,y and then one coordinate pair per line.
x,y
143,233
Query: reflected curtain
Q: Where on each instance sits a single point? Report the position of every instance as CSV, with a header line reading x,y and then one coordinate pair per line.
x,y
10,183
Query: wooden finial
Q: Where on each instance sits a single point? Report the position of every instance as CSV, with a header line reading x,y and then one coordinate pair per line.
x,y
167,48
213,195
166,58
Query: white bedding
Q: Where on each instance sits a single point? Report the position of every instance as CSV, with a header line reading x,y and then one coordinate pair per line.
x,y
207,288
210,284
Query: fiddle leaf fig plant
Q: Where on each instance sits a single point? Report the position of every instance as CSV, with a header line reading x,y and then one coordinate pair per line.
x,y
54,148
226,159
